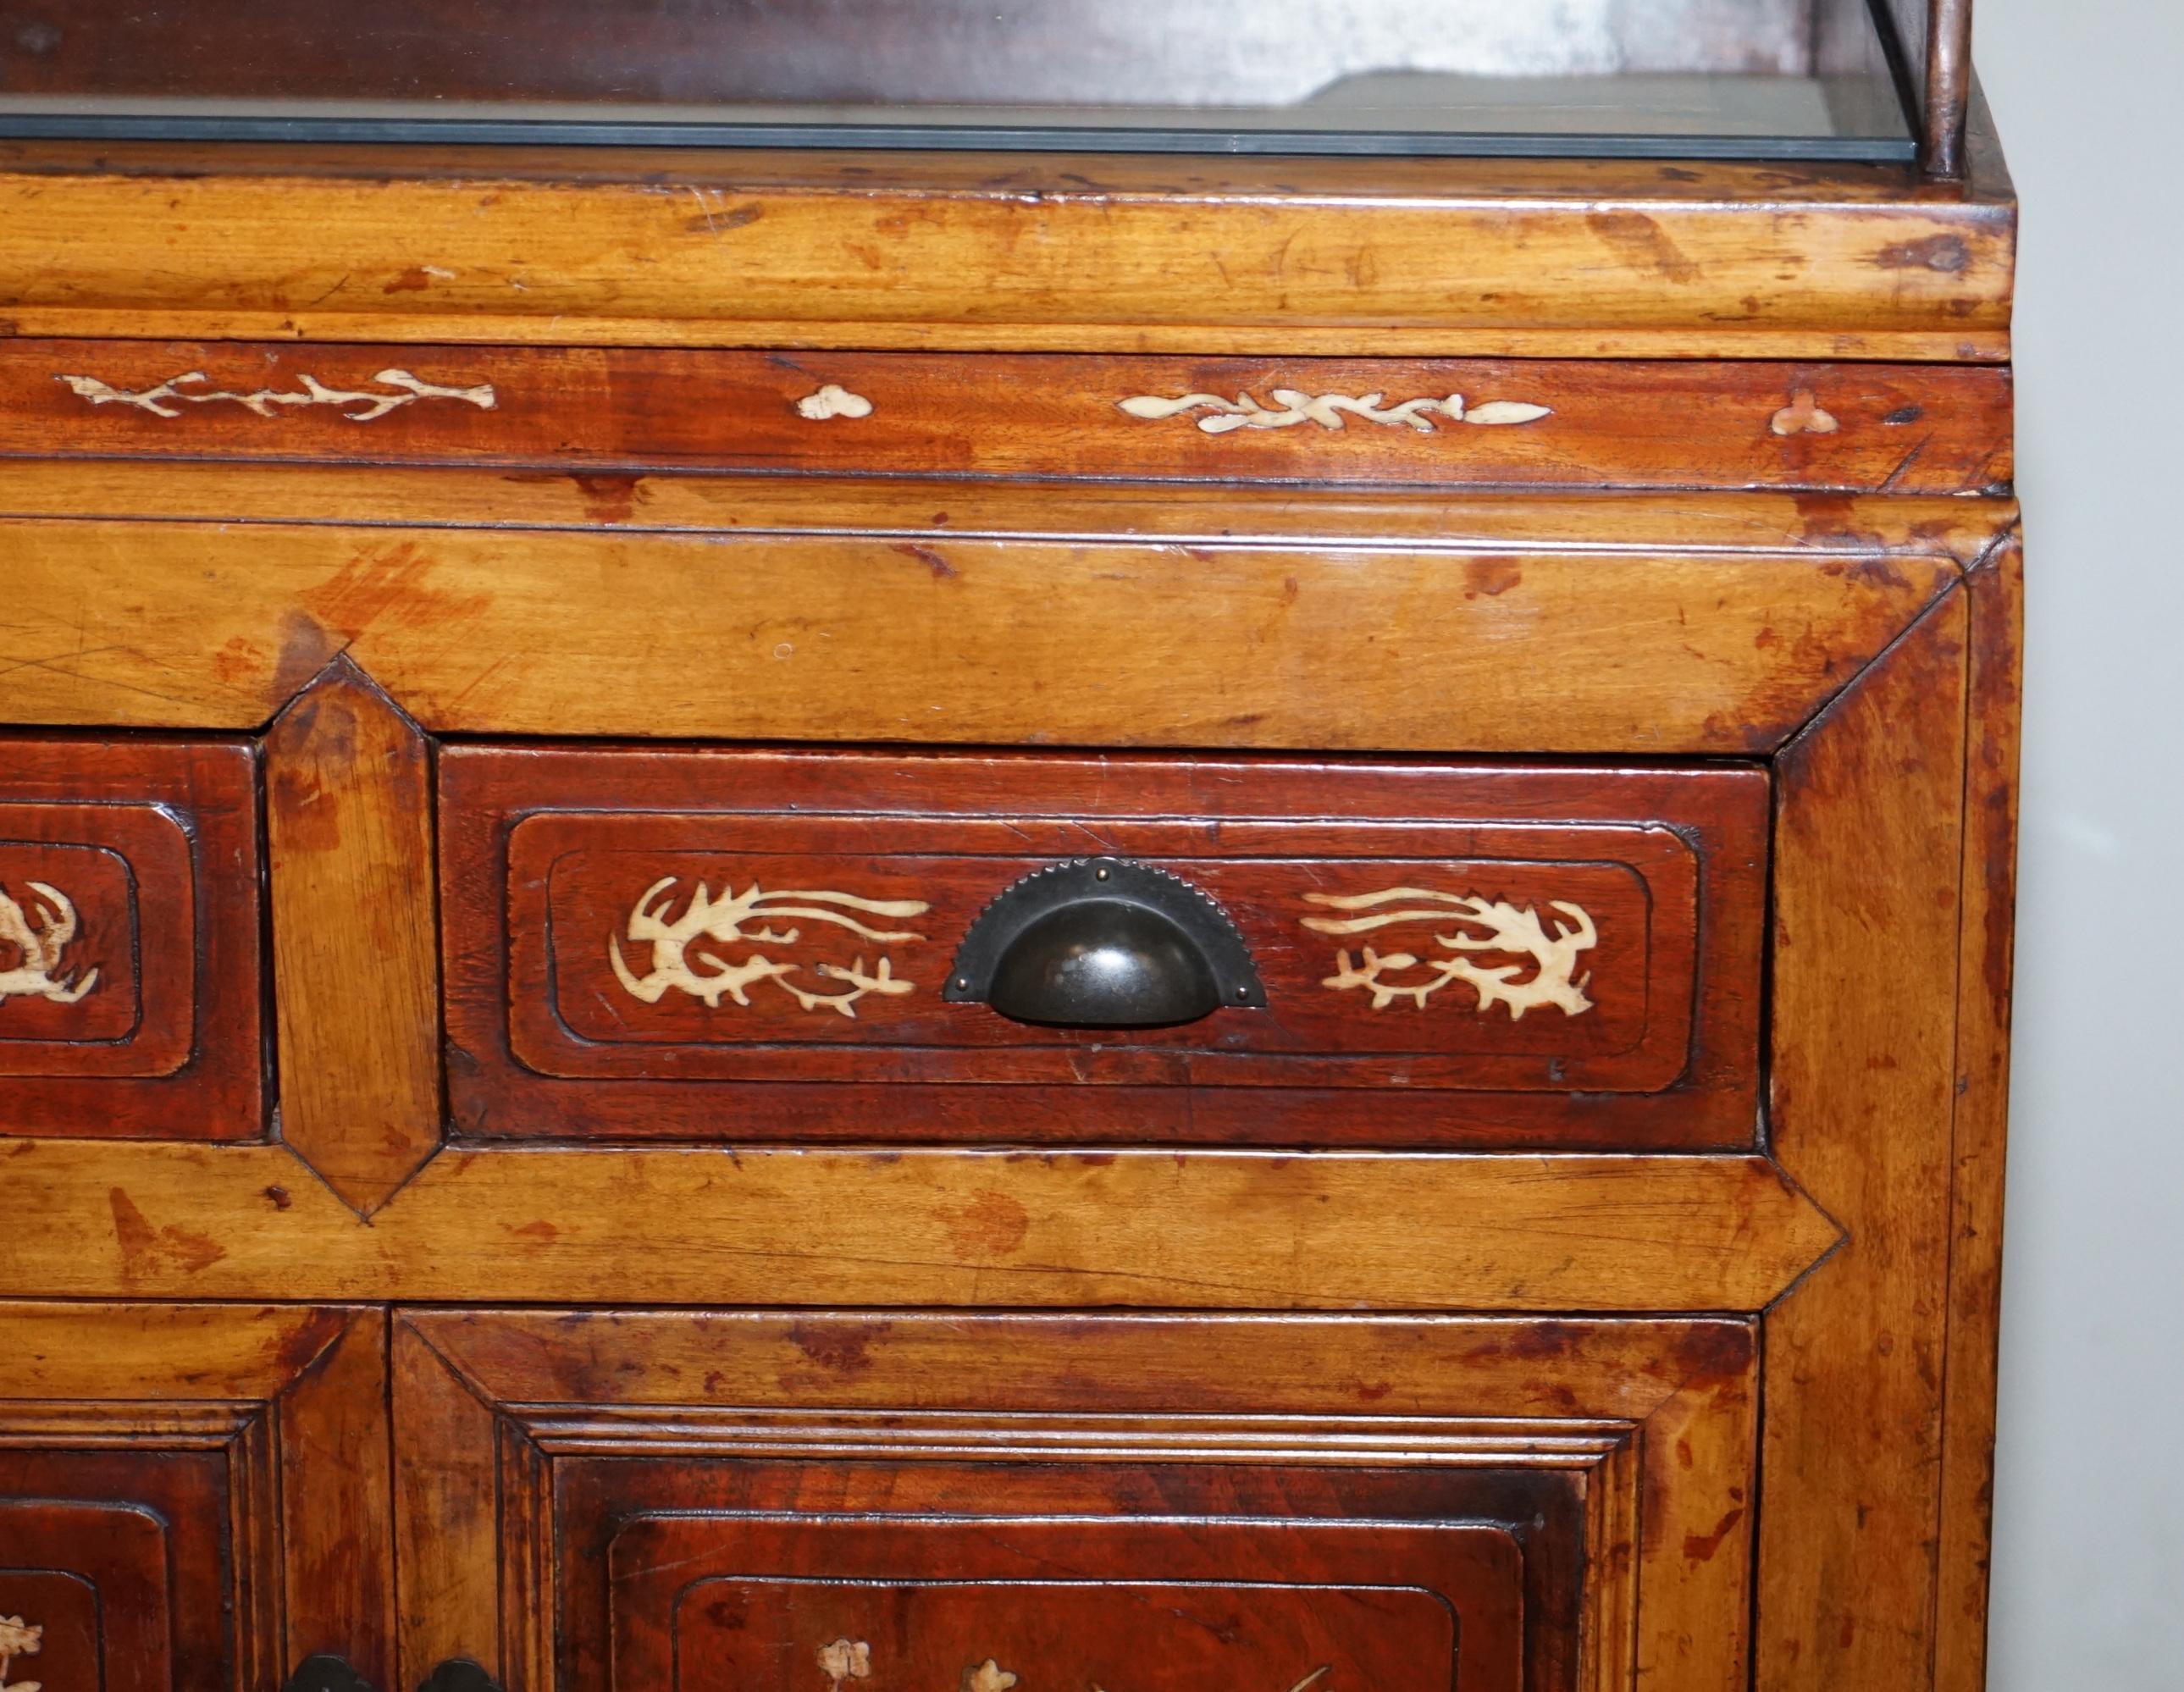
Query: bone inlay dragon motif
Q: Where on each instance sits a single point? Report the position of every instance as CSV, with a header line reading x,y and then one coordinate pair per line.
x,y
1503,928
37,938
748,918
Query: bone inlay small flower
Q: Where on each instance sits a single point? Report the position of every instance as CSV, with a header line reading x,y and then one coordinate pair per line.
x,y
16,1639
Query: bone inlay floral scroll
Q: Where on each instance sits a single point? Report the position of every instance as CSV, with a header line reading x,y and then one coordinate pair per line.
x,y
1331,411
749,918
846,1659
18,1640
1500,928
37,939
357,406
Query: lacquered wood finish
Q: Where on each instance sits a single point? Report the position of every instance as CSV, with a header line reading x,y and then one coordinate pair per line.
x,y
349,816
129,939
713,1444
806,517
994,253
1867,428
556,862
879,611
194,1496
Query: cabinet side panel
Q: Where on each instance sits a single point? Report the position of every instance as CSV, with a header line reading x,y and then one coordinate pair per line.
x,y
1869,839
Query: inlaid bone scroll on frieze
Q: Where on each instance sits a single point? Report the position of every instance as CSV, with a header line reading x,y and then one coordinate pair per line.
x,y
356,406
1292,408
749,918
1500,927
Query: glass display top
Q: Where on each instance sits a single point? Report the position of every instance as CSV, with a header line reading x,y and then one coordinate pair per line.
x,y
1745,79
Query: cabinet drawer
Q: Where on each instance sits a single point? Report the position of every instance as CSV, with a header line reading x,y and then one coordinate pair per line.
x,y
755,945
717,1501
130,939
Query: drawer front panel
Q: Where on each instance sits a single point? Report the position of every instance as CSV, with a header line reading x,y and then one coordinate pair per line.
x,y
129,941
1551,952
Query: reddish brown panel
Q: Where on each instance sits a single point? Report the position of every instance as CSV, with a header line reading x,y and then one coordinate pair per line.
x,y
825,1499
116,1560
1105,1602
90,1580
130,939
214,1475
1464,956
1852,427
686,1539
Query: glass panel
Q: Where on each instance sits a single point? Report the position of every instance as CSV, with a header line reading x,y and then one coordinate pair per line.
x,y
1751,78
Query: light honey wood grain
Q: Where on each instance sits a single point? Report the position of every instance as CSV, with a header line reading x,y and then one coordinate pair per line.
x,y
1569,258
1996,627
349,811
1159,1229
1023,618
1870,848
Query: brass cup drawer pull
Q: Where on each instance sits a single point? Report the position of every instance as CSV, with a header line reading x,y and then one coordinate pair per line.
x,y
1105,942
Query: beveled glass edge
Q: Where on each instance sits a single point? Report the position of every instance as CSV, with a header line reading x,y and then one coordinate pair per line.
x,y
915,138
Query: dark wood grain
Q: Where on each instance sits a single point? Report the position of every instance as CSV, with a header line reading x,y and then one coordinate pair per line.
x,y
546,855
612,412
193,1498
153,847
1282,1466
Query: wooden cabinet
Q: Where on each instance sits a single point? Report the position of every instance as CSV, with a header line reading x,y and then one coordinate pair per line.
x,y
943,921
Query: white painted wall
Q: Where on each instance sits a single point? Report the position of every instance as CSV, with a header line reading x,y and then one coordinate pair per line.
x,y
2089,1560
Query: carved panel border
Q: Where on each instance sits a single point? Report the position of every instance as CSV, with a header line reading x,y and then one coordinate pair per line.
x,y
1655,1416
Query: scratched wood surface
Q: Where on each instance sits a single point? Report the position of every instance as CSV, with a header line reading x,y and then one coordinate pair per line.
x,y
798,609
1864,1092
614,1441
545,854
348,803
979,252
963,1227
252,1438
1901,428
